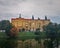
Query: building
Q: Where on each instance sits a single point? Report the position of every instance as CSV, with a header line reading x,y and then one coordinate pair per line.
x,y
29,24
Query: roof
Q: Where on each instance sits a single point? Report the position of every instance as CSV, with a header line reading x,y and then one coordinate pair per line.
x,y
27,19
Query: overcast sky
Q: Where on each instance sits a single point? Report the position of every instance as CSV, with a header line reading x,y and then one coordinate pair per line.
x,y
39,8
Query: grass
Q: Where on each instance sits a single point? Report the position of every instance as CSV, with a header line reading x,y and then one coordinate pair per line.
x,y
2,34
30,35
25,35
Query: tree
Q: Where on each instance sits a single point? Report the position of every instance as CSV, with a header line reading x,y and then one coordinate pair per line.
x,y
14,32
8,28
11,32
4,24
38,37
52,31
11,43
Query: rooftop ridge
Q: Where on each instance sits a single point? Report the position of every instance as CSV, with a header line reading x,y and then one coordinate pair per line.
x,y
27,19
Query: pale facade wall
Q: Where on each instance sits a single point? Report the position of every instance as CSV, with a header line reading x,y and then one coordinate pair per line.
x,y
29,24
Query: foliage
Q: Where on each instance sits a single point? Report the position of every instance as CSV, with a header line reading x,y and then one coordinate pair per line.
x,y
11,31
8,43
38,30
8,32
11,43
14,32
52,30
38,37
48,44
4,24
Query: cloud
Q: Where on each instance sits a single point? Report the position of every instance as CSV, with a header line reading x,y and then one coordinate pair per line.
x,y
38,8
10,2
55,19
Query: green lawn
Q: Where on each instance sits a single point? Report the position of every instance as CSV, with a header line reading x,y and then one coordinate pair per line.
x,y
30,35
2,34
25,35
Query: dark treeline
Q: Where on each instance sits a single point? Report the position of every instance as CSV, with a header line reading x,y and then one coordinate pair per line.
x,y
52,31
11,35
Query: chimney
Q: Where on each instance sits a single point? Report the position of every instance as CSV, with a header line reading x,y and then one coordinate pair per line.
x,y
32,17
38,18
19,15
45,17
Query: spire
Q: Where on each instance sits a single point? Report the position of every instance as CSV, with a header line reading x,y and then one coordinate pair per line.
x,y
38,18
45,17
19,15
32,17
